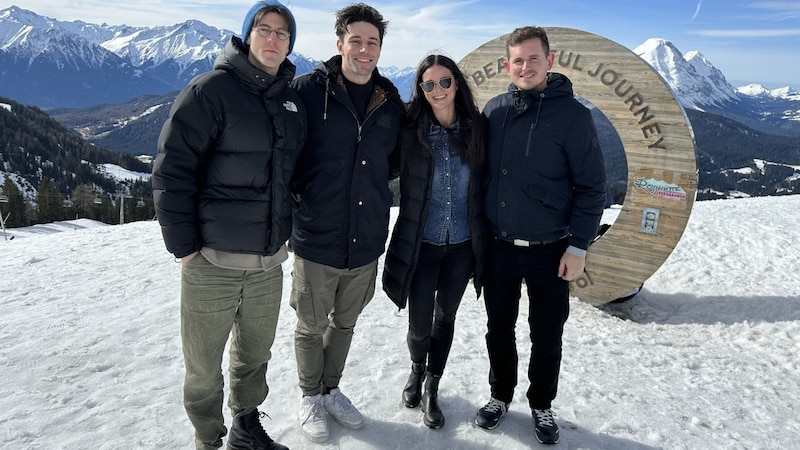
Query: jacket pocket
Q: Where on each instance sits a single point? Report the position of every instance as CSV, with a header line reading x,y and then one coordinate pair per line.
x,y
546,197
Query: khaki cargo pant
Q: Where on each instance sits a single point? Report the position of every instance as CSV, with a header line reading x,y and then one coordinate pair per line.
x,y
328,302
218,303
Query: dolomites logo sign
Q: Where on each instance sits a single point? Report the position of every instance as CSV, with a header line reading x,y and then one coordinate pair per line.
x,y
661,188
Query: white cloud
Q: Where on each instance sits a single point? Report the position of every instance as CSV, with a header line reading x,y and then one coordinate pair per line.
x,y
748,33
696,11
776,5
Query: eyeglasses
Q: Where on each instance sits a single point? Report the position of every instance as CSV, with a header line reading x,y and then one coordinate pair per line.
x,y
266,31
443,83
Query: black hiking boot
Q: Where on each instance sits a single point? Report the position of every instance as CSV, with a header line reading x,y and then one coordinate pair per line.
x,y
412,391
433,417
247,434
545,426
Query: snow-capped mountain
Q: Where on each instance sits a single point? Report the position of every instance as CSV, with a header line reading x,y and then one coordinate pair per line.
x,y
115,85
49,63
693,79
697,84
757,90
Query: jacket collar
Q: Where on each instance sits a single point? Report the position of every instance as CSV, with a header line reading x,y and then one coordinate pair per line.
x,y
557,85
233,59
332,69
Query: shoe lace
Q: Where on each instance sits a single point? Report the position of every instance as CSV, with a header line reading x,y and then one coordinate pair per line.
x,y
316,413
544,417
494,406
257,431
341,402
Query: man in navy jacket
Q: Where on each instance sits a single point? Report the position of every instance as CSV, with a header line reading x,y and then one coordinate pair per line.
x,y
544,200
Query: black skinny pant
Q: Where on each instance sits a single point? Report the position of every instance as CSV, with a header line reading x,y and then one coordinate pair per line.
x,y
548,309
438,284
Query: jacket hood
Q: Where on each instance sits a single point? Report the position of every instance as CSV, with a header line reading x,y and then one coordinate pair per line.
x,y
332,69
557,85
233,58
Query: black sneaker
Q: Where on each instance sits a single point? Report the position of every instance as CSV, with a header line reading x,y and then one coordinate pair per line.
x,y
545,426
489,416
247,434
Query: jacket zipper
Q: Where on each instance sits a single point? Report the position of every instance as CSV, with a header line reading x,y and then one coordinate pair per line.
x,y
530,137
533,125
353,162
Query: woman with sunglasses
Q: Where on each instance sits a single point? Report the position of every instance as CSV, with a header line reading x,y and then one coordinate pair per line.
x,y
439,237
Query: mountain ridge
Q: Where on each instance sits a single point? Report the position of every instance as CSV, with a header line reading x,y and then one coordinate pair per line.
x,y
161,59
114,86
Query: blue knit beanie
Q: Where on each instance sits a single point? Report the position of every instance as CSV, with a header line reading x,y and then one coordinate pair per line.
x,y
247,25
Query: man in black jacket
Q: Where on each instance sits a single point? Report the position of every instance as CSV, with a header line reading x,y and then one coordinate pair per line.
x,y
341,218
226,156
544,201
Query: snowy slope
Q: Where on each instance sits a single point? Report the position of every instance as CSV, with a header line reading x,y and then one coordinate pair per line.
x,y
704,358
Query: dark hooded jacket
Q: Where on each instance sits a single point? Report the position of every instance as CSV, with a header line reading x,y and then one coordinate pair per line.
x,y
341,184
226,156
546,177
416,180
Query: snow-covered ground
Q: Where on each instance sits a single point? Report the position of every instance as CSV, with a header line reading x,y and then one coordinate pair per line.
x,y
705,357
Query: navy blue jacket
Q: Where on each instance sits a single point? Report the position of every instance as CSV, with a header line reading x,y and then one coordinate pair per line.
x,y
225,159
546,175
341,185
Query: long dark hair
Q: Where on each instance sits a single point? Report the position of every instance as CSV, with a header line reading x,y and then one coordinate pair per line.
x,y
470,122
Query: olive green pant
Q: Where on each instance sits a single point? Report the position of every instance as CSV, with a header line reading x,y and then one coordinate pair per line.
x,y
328,302
218,303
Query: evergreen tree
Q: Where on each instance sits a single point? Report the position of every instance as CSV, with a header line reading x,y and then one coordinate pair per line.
x,y
49,201
15,207
82,199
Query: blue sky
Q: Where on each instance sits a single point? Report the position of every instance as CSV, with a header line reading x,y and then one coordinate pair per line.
x,y
749,41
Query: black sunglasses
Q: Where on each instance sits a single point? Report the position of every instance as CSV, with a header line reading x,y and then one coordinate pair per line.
x,y
443,83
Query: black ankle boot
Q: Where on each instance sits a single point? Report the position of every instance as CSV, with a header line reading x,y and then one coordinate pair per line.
x,y
433,417
412,391
247,434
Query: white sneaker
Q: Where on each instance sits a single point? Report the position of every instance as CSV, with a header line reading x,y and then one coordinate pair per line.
x,y
312,418
339,406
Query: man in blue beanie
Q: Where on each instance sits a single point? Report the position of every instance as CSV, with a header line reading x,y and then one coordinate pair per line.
x,y
226,157
257,10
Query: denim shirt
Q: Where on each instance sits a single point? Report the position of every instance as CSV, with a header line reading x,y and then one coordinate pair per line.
x,y
447,210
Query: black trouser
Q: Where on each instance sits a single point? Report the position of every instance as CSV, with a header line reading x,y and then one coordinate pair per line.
x,y
548,308
439,282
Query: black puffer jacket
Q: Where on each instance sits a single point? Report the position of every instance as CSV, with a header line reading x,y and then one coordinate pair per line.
x,y
341,185
226,156
416,179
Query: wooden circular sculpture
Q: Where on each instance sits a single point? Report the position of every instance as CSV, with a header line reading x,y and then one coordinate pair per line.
x,y
658,143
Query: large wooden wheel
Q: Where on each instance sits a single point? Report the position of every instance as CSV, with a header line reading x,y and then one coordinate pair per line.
x,y
658,143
